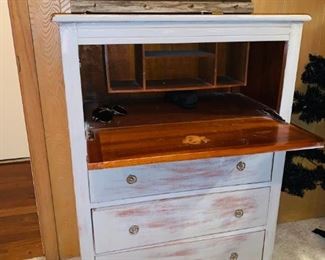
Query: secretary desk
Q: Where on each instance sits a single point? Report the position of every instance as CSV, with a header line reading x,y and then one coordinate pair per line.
x,y
164,181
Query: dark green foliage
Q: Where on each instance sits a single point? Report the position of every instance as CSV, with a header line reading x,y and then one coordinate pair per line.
x,y
297,178
314,71
311,106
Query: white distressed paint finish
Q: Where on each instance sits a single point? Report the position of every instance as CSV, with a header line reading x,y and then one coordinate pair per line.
x,y
111,184
114,29
194,239
248,247
192,32
277,174
173,219
70,62
289,79
180,194
164,32
123,29
97,18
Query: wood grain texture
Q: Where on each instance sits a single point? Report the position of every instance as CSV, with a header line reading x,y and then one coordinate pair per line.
x,y
16,189
65,6
92,71
241,6
313,35
156,110
232,61
266,68
120,62
313,40
24,47
19,226
224,137
51,90
293,208
247,246
20,237
162,67
175,219
111,184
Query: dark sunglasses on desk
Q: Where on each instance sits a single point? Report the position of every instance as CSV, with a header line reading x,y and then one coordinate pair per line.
x,y
105,114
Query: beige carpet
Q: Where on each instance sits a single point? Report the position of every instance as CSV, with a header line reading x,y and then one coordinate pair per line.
x,y
295,241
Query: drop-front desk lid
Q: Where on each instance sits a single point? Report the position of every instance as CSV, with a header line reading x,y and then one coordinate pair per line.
x,y
163,134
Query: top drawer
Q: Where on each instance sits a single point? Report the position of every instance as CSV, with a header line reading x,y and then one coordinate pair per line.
x,y
153,179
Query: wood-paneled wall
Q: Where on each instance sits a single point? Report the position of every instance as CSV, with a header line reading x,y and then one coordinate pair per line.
x,y
293,208
28,77
51,94
313,40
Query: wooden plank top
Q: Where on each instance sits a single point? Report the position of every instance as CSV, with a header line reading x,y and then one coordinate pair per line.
x,y
147,144
166,6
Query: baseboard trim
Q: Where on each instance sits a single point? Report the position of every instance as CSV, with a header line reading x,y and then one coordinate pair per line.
x,y
15,160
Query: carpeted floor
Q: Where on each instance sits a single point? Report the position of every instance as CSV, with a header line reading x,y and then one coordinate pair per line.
x,y
295,241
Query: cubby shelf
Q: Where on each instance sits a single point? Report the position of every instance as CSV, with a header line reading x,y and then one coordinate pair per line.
x,y
172,67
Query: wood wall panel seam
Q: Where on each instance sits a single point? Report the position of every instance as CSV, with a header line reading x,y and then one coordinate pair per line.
x,y
51,88
19,14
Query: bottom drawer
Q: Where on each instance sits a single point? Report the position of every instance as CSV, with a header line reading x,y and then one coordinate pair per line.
x,y
156,222
244,247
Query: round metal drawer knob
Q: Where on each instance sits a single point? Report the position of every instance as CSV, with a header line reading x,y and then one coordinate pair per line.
x,y
131,179
233,256
239,213
134,229
241,166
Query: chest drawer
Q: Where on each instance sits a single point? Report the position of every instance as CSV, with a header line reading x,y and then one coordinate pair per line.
x,y
153,222
130,182
244,247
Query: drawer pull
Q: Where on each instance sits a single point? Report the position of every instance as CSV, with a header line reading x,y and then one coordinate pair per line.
x,y
131,179
239,213
241,166
233,256
134,229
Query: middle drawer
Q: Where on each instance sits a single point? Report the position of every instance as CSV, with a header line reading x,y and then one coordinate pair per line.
x,y
153,179
153,222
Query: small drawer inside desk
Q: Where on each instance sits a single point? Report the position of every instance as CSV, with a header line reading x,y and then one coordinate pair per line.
x,y
155,222
161,178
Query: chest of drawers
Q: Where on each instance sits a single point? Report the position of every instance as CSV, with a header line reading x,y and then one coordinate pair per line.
x,y
165,182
